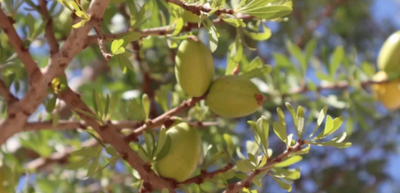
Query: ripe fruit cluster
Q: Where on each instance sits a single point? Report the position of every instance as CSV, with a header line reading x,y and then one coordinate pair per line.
x,y
388,93
227,96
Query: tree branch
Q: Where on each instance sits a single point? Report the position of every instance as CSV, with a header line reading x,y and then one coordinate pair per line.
x,y
23,53
5,92
113,137
59,157
100,41
161,30
49,31
38,83
238,186
119,125
157,122
206,175
196,9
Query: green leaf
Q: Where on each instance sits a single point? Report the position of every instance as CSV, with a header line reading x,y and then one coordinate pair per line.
x,y
244,166
116,47
300,120
258,72
130,37
235,53
229,144
263,131
283,185
254,64
290,174
164,190
107,105
282,60
332,144
320,75
212,34
178,26
78,164
143,154
30,21
124,63
269,12
280,131
111,151
86,151
310,48
259,36
302,151
213,159
165,148
55,119
93,167
331,126
297,53
337,59
234,22
51,104
289,161
292,112
149,141
146,105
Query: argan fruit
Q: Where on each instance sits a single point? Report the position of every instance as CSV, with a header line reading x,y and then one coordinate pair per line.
x,y
387,93
183,155
190,17
389,55
194,69
234,96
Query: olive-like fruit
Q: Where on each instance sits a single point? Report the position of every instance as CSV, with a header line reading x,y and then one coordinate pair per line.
x,y
194,69
388,93
183,155
234,96
190,17
389,55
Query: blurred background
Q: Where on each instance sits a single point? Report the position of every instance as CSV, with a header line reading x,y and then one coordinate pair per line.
x,y
370,165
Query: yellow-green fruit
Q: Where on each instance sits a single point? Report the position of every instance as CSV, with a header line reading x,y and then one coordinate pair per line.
x,y
190,17
183,155
387,93
389,55
234,96
194,69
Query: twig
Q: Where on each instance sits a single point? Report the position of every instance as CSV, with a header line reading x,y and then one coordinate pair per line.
x,y
59,157
238,186
8,97
49,32
23,54
100,40
119,125
206,175
111,136
161,30
335,86
157,122
196,9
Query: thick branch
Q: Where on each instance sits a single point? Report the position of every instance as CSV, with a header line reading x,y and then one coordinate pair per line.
x,y
196,9
6,94
207,175
49,31
113,137
38,84
157,122
237,187
23,53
